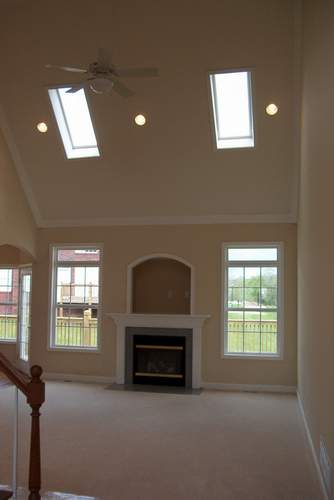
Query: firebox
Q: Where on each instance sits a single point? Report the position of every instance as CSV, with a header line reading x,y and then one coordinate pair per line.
x,y
159,360
158,356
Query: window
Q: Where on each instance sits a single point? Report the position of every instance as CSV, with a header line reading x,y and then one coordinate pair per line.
x,y
252,301
9,293
25,313
75,298
232,109
74,122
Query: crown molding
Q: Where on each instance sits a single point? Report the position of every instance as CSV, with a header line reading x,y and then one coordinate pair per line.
x,y
172,220
20,170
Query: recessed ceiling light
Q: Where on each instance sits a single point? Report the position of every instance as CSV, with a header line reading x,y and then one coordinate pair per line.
x,y
42,127
140,120
271,109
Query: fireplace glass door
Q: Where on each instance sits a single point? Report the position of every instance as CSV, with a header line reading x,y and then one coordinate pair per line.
x,y
159,360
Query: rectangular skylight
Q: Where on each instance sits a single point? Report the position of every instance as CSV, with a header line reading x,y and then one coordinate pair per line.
x,y
232,109
74,122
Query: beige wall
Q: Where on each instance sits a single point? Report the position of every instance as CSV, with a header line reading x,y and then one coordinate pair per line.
x,y
161,286
316,236
17,227
198,245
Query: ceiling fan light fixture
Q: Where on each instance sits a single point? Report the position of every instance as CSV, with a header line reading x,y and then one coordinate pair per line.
x,y
101,85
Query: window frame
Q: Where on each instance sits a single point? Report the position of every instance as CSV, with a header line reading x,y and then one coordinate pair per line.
x,y
12,341
279,356
214,113
53,294
63,128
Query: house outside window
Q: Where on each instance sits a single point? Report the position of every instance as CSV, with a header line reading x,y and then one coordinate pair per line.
x,y
9,296
252,312
75,298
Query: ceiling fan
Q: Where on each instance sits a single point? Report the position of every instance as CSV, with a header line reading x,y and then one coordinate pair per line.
x,y
103,76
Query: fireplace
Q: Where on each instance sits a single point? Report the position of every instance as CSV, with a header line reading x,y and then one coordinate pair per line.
x,y
188,326
159,360
158,356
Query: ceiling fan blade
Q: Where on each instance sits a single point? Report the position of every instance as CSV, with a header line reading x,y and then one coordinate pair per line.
x,y
138,72
104,58
66,68
121,89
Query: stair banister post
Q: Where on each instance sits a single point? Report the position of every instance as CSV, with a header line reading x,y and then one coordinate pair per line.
x,y
35,398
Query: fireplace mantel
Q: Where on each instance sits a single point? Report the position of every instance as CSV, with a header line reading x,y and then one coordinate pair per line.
x,y
192,321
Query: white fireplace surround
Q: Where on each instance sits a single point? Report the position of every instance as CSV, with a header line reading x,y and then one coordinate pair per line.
x,y
191,321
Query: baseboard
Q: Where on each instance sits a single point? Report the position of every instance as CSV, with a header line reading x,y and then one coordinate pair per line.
x,y
313,451
72,377
249,387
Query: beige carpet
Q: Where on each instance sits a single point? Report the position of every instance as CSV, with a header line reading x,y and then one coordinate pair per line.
x,y
141,446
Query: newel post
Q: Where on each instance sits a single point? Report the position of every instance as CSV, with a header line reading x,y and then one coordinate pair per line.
x,y
35,398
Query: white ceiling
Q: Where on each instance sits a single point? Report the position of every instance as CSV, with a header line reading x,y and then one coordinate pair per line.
x,y
168,170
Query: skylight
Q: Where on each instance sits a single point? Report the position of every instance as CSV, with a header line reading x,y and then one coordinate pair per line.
x,y
74,122
232,109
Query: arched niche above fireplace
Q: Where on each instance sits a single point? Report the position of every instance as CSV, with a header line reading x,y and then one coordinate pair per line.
x,y
160,284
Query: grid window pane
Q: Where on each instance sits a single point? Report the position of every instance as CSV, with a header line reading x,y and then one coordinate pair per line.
x,y
76,327
78,255
235,342
25,315
269,298
6,278
252,297
252,254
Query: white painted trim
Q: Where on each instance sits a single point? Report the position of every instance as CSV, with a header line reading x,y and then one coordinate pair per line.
x,y
194,322
73,377
249,387
20,169
313,449
145,258
172,220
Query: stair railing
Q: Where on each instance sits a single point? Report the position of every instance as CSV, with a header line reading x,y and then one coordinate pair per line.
x,y
34,390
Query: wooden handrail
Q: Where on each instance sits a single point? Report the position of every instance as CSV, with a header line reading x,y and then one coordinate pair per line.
x,y
34,389
18,378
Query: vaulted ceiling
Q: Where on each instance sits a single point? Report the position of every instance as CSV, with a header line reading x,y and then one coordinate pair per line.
x,y
169,169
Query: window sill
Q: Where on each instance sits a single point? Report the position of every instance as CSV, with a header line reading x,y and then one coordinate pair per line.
x,y
79,350
257,357
7,341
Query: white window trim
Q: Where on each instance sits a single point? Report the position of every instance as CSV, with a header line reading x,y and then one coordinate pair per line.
x,y
64,131
248,143
280,301
52,252
13,341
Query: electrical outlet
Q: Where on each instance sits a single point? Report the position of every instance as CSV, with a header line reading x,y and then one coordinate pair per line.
x,y
326,466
